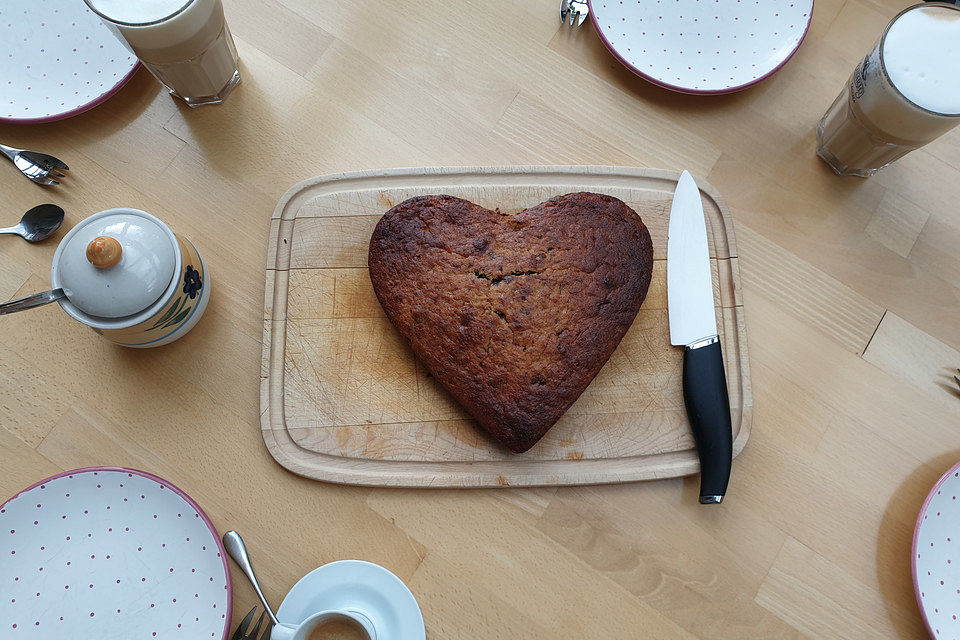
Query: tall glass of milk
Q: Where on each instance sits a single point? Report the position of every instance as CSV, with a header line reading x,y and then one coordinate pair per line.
x,y
904,94
185,44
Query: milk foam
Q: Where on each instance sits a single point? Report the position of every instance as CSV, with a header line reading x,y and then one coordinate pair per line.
x,y
138,11
921,53
180,37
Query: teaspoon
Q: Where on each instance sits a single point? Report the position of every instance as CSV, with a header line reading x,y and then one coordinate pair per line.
x,y
38,224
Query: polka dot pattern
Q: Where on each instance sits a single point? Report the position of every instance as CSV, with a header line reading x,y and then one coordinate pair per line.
x,y
57,59
936,557
80,561
702,46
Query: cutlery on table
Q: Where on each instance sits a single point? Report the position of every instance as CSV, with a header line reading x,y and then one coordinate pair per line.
x,y
233,543
241,632
693,325
38,223
574,12
39,167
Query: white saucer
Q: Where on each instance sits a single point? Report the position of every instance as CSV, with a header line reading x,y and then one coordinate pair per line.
x,y
358,585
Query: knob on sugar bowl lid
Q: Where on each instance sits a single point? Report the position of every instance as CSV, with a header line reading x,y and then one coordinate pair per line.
x,y
103,252
116,265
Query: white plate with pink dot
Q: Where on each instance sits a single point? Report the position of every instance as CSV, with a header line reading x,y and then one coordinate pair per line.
x,y
702,46
112,554
936,557
57,59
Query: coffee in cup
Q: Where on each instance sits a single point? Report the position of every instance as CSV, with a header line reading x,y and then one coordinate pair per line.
x,y
333,624
338,628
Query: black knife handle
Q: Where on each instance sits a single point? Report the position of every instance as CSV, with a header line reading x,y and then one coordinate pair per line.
x,y
708,409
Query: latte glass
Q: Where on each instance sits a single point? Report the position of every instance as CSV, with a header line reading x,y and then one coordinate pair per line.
x,y
904,94
185,44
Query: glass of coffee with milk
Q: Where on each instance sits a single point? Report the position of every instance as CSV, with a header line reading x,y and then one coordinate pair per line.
x,y
185,44
904,94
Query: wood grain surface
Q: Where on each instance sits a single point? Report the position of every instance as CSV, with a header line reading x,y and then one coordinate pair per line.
x,y
851,289
343,398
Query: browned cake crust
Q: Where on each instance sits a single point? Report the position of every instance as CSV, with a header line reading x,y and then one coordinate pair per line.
x,y
513,313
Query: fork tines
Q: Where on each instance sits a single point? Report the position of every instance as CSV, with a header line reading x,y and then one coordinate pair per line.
x,y
241,632
40,167
573,12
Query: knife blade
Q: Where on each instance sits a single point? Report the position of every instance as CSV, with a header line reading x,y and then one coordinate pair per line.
x,y
693,325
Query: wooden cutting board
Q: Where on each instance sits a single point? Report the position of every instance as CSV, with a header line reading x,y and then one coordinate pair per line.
x,y
343,399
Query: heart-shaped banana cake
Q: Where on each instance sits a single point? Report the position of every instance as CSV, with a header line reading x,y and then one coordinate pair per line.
x,y
514,313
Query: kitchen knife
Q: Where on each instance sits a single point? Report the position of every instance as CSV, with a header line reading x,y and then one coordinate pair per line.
x,y
693,325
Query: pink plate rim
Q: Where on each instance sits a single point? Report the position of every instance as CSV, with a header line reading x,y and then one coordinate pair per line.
x,y
176,490
916,534
77,110
705,92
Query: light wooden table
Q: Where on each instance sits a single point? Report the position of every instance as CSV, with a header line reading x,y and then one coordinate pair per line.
x,y
852,293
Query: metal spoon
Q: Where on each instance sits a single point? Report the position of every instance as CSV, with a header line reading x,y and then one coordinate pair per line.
x,y
36,300
238,551
38,224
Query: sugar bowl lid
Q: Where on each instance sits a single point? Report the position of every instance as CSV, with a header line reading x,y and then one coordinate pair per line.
x,y
116,263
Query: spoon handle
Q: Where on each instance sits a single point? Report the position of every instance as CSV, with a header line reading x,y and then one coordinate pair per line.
x,y
238,551
36,300
10,152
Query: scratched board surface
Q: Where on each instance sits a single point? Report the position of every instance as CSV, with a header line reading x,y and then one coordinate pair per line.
x,y
343,398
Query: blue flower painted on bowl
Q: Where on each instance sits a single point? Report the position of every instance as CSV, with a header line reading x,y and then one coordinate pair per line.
x,y
191,282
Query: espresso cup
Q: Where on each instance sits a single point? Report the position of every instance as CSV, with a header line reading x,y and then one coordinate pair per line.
x,y
302,631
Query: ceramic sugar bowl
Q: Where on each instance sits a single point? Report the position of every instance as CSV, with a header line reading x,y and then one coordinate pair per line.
x,y
130,278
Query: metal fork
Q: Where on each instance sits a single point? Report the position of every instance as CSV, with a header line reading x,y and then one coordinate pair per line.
x,y
39,167
574,12
241,632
